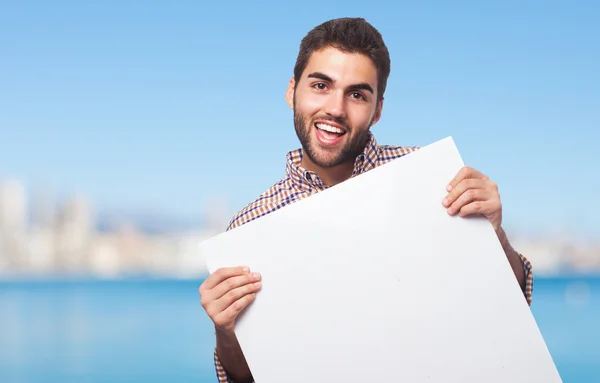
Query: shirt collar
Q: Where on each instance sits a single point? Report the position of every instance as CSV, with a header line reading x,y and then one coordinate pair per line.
x,y
308,180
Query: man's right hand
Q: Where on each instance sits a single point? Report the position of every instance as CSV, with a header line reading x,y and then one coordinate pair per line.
x,y
226,292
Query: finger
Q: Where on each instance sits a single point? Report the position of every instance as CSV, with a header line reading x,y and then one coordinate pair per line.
x,y
477,207
234,309
231,284
464,173
461,188
222,274
232,296
468,197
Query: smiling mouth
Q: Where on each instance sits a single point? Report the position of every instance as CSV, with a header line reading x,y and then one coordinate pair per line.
x,y
329,135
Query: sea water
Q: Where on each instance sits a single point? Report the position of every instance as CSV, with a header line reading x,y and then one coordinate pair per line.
x,y
156,331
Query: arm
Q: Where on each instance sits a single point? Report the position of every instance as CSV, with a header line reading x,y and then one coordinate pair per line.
x,y
224,294
471,192
519,264
230,363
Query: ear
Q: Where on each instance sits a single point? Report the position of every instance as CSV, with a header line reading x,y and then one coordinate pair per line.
x,y
289,94
378,111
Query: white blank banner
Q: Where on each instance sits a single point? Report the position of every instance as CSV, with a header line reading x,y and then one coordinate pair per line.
x,y
372,281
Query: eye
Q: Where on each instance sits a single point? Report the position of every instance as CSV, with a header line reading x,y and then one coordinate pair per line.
x,y
357,95
320,86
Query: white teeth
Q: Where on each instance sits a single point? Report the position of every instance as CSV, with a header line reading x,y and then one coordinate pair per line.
x,y
329,128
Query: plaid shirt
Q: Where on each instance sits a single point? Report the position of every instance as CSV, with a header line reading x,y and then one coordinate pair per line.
x,y
300,183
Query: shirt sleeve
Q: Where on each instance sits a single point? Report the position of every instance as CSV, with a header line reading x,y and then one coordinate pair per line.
x,y
221,373
528,279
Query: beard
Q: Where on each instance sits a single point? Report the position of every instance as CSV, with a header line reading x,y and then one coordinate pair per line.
x,y
327,158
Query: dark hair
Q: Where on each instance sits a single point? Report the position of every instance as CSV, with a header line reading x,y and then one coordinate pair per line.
x,y
353,35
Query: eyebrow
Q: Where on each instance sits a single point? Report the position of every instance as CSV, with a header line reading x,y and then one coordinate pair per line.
x,y
324,77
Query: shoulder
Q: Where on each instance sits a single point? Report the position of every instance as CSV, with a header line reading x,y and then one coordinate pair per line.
x,y
280,194
388,153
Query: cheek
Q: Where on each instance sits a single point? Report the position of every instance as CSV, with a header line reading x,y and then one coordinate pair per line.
x,y
360,118
308,104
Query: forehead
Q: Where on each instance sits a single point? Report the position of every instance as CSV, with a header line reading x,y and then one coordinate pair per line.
x,y
343,67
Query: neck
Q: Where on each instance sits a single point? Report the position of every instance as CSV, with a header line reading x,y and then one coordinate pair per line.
x,y
330,176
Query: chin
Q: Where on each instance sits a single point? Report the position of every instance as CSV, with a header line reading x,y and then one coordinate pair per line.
x,y
325,157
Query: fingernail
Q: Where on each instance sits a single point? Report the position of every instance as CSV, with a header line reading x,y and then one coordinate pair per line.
x,y
257,284
245,269
449,187
256,275
445,202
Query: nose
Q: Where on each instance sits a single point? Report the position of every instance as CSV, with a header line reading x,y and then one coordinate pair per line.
x,y
336,105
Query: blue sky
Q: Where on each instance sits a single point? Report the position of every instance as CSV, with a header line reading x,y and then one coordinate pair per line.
x,y
164,105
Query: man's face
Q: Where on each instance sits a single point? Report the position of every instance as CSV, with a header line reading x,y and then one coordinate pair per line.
x,y
335,104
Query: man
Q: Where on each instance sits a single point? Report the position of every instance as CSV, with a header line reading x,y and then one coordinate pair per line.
x,y
336,95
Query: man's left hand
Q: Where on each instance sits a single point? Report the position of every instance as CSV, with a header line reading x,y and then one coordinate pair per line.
x,y
471,192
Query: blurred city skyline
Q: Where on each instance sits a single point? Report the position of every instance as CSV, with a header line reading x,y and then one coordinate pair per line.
x,y
46,237
42,203
42,236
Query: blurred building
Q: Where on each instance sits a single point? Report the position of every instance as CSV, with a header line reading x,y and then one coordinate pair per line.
x,y
13,223
74,232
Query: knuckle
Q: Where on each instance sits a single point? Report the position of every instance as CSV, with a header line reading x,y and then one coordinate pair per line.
x,y
210,312
223,272
230,283
218,273
231,295
239,305
470,194
454,194
204,302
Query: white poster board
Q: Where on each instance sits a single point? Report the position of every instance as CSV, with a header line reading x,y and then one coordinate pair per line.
x,y
372,281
